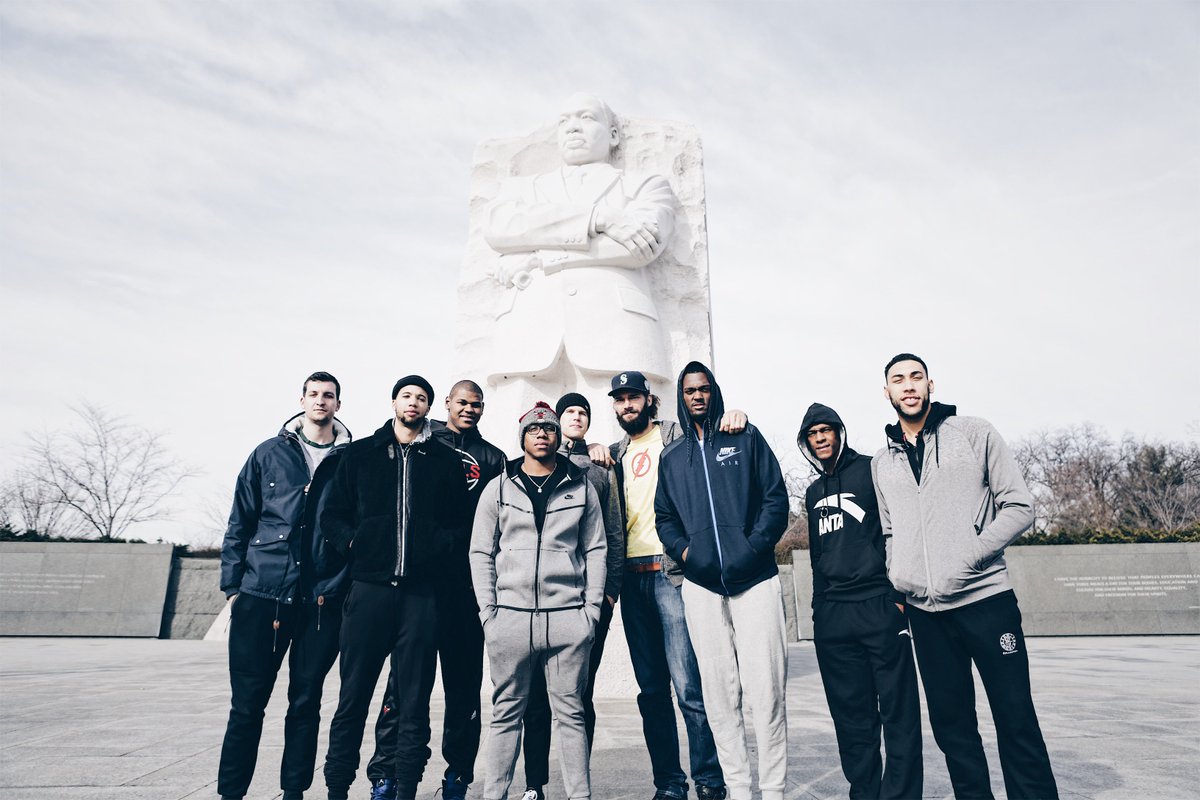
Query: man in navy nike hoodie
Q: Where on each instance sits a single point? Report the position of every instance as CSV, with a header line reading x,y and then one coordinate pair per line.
x,y
860,631
720,508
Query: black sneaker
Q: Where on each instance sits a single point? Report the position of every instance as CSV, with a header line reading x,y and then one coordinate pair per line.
x,y
710,792
384,789
454,787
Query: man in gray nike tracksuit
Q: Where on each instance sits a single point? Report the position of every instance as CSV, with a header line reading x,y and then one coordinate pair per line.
x,y
538,567
951,499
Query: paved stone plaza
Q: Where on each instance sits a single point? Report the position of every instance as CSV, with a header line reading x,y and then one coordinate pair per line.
x,y
134,718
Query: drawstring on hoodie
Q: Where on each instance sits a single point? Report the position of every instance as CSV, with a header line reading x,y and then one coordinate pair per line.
x,y
275,628
320,602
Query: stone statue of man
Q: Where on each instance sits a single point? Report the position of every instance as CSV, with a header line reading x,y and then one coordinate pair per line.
x,y
574,243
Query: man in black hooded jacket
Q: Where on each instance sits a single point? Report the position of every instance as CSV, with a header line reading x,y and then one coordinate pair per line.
x,y
861,636
285,587
720,508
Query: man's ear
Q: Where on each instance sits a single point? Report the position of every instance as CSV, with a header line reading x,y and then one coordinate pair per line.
x,y
931,388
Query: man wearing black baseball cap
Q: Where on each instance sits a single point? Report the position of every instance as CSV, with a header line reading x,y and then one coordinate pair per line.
x,y
398,503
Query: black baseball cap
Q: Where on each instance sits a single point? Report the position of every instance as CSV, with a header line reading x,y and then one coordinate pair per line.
x,y
630,381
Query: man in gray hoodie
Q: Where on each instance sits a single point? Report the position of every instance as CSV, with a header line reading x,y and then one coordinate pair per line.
x,y
537,564
951,498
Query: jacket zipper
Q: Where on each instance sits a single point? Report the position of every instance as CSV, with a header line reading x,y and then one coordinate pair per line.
x,y
401,555
924,538
713,510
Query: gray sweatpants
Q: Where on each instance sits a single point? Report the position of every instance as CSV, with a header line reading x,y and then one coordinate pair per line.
x,y
741,646
519,642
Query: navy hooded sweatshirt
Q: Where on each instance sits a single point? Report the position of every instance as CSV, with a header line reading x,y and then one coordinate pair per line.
x,y
722,498
845,539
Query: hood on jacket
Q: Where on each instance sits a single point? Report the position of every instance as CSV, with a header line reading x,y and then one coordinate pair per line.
x,y
938,413
341,434
716,406
818,414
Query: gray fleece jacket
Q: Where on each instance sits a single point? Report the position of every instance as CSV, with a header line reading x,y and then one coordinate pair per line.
x,y
946,536
561,567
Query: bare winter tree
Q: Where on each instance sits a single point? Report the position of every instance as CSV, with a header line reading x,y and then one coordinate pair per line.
x,y
1073,474
32,506
1159,487
107,472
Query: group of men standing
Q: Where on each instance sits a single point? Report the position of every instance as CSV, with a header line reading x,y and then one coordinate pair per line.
x,y
422,542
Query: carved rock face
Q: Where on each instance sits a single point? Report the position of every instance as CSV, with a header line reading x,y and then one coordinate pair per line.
x,y
586,133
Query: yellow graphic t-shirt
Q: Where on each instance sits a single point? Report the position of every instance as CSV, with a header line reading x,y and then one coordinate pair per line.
x,y
640,465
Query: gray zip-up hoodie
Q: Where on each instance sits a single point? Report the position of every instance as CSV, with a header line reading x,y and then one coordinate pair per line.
x,y
946,536
513,565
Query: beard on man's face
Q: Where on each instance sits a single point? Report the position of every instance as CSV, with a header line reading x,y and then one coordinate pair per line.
x,y
642,421
412,424
920,412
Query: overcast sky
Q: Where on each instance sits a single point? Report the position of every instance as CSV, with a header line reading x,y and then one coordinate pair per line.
x,y
204,202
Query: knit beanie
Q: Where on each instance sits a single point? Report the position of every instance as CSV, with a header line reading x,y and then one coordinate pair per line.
x,y
540,413
572,399
413,380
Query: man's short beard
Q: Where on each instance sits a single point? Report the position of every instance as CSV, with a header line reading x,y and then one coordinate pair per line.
x,y
912,417
415,425
642,421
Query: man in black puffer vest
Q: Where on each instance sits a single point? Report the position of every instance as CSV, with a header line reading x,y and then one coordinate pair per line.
x,y
864,648
398,507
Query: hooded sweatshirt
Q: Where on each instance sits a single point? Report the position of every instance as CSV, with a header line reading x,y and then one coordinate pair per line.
x,y
845,541
481,461
949,505
558,566
721,497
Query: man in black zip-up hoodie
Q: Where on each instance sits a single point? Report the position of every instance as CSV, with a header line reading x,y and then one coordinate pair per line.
x,y
397,506
860,633
720,508
459,634
285,586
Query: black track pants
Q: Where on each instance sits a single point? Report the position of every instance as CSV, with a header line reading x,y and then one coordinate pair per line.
x,y
537,713
379,621
989,634
256,652
865,655
460,651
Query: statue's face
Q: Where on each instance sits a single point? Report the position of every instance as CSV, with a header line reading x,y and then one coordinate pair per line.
x,y
585,133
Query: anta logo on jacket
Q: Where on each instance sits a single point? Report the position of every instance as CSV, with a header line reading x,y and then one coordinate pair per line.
x,y
722,498
845,539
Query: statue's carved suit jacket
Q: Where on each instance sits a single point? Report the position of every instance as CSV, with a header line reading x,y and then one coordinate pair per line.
x,y
591,297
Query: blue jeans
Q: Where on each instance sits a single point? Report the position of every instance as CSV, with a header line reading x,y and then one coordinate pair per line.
x,y
662,655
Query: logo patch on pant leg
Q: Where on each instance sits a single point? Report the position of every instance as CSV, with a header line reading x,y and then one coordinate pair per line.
x,y
1008,643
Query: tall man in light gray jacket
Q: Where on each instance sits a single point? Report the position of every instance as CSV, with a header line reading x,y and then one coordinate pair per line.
x,y
951,498
537,565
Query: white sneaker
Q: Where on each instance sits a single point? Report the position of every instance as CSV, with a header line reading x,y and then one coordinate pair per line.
x,y
532,794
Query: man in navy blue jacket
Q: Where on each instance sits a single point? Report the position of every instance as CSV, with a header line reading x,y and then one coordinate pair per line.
x,y
285,585
861,635
720,508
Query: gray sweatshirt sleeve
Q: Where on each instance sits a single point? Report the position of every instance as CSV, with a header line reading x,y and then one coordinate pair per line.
x,y
885,516
595,549
483,548
1013,500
